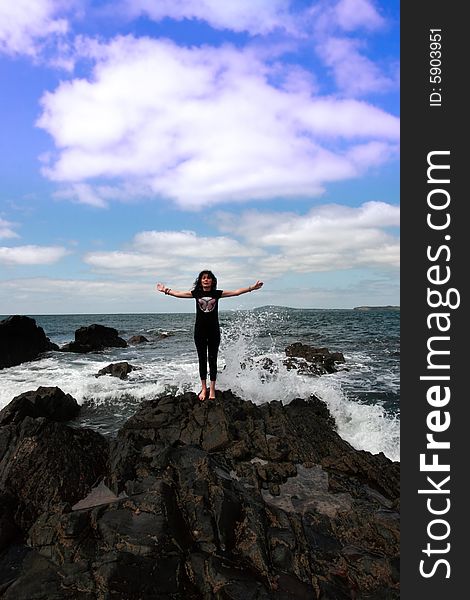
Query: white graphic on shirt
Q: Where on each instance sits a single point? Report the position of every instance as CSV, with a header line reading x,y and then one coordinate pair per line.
x,y
207,304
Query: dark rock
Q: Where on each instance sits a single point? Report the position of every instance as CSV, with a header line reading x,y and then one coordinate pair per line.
x,y
39,581
137,339
21,340
94,338
11,564
222,500
120,369
44,463
310,360
49,402
8,530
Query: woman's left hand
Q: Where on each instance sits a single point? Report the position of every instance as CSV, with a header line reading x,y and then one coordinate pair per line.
x,y
257,285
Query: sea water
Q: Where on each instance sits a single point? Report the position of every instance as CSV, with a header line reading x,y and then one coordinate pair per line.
x,y
363,396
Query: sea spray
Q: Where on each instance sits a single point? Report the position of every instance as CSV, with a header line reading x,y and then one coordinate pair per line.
x,y
260,376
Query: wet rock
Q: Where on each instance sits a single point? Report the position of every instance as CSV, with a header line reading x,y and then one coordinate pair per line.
x,y
21,340
137,339
44,463
8,530
310,360
222,499
49,402
120,369
11,564
94,338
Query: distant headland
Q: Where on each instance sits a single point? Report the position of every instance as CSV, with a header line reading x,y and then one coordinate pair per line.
x,y
366,308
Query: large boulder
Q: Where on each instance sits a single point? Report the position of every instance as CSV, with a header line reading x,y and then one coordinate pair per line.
x,y
49,402
119,369
44,463
21,340
93,338
310,360
224,500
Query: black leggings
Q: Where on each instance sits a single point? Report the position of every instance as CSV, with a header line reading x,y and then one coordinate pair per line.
x,y
207,346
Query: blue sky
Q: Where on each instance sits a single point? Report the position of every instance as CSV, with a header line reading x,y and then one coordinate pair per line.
x,y
145,140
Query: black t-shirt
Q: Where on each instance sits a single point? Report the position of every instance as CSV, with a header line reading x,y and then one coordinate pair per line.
x,y
207,307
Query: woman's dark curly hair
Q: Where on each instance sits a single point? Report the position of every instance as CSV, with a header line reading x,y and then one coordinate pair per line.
x,y
198,283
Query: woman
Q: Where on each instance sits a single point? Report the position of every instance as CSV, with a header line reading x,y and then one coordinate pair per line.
x,y
206,329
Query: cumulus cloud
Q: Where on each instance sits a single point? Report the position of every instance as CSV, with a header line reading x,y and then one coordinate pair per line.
x,y
25,26
266,244
258,17
7,229
31,255
328,238
336,27
183,243
201,127
354,72
173,253
357,14
253,16
84,193
333,23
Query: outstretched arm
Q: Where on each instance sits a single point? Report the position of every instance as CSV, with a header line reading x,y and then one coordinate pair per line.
x,y
169,292
250,288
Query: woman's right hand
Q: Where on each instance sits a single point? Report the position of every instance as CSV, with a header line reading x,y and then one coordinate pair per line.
x,y
161,287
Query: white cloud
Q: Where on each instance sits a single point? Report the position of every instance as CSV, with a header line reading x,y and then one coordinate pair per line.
x,y
354,72
349,119
328,238
263,244
201,126
84,194
329,248
258,17
253,16
58,296
184,243
335,27
6,229
330,20
179,254
371,154
74,287
31,255
26,25
356,14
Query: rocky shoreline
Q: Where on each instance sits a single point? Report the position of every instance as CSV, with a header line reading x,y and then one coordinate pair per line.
x,y
194,500
216,500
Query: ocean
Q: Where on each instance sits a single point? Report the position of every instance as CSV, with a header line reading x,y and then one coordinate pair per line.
x,y
363,396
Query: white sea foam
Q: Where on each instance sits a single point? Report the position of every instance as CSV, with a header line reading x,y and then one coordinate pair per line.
x,y
364,426
77,376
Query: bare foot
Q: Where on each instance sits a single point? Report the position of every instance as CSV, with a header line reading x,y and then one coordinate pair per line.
x,y
202,395
212,391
